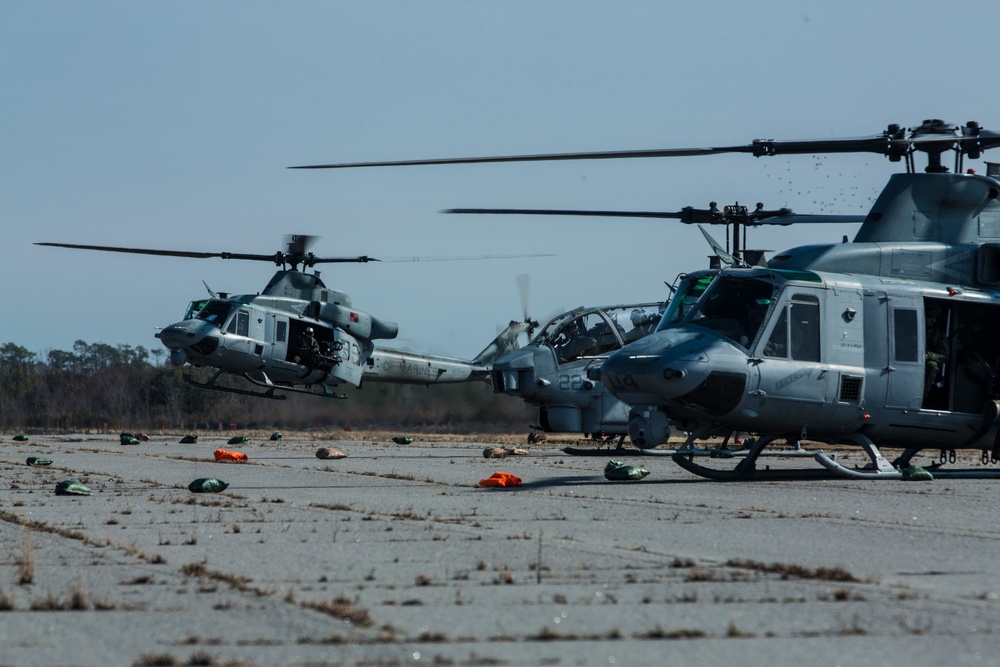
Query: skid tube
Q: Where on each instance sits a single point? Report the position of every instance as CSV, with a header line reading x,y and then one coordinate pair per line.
x,y
233,390
687,449
746,470
937,471
327,392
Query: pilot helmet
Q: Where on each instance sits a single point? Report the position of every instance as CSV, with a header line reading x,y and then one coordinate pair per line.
x,y
638,316
309,330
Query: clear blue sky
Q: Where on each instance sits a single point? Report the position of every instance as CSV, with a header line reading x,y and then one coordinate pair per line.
x,y
171,125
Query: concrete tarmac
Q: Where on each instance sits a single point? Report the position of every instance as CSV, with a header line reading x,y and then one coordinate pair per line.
x,y
394,556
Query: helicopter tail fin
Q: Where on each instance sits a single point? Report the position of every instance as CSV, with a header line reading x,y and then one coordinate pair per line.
x,y
505,342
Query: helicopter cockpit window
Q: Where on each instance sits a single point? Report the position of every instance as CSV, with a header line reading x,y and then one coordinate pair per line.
x,y
194,308
635,322
734,307
215,312
585,336
240,324
684,299
548,333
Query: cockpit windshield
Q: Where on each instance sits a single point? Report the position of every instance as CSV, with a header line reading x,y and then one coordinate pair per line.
x,y
688,292
592,332
216,312
194,308
734,307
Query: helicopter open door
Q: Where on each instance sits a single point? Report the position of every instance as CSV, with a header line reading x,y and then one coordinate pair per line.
x,y
905,367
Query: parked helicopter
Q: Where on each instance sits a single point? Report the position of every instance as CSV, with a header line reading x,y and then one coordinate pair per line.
x,y
834,342
551,371
298,335
886,341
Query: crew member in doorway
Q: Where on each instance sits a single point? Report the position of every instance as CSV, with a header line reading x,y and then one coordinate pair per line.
x,y
307,349
936,354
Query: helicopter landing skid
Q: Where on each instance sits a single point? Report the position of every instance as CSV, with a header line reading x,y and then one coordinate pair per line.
x,y
714,453
746,470
233,390
935,470
325,393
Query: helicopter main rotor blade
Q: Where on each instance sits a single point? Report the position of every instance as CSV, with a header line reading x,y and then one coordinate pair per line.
x,y
600,155
201,255
892,142
165,253
545,211
687,216
874,144
459,258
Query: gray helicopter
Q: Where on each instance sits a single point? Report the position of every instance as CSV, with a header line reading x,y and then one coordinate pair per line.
x,y
887,341
551,371
298,335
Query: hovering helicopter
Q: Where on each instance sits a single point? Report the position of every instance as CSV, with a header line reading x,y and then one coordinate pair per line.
x,y
551,371
298,335
887,341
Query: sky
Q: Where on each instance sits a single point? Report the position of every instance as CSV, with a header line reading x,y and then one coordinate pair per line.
x,y
171,125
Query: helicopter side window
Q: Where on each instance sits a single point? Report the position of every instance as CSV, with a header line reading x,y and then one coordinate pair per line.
x,y
240,324
281,332
904,322
804,327
777,343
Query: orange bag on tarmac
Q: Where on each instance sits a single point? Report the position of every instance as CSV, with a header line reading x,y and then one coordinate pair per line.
x,y
227,456
501,479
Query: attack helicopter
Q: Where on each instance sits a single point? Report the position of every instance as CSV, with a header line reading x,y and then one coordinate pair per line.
x,y
552,371
298,335
887,341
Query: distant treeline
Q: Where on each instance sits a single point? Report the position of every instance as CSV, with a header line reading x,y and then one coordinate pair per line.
x,y
100,386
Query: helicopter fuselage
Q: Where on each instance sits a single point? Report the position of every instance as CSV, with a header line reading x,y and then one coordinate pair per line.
x,y
260,338
818,355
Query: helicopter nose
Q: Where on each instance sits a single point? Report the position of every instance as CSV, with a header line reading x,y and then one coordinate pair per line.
x,y
513,372
187,336
651,369
690,370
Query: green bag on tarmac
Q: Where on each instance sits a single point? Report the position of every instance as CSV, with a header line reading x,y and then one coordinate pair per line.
x,y
207,485
71,487
617,471
38,461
